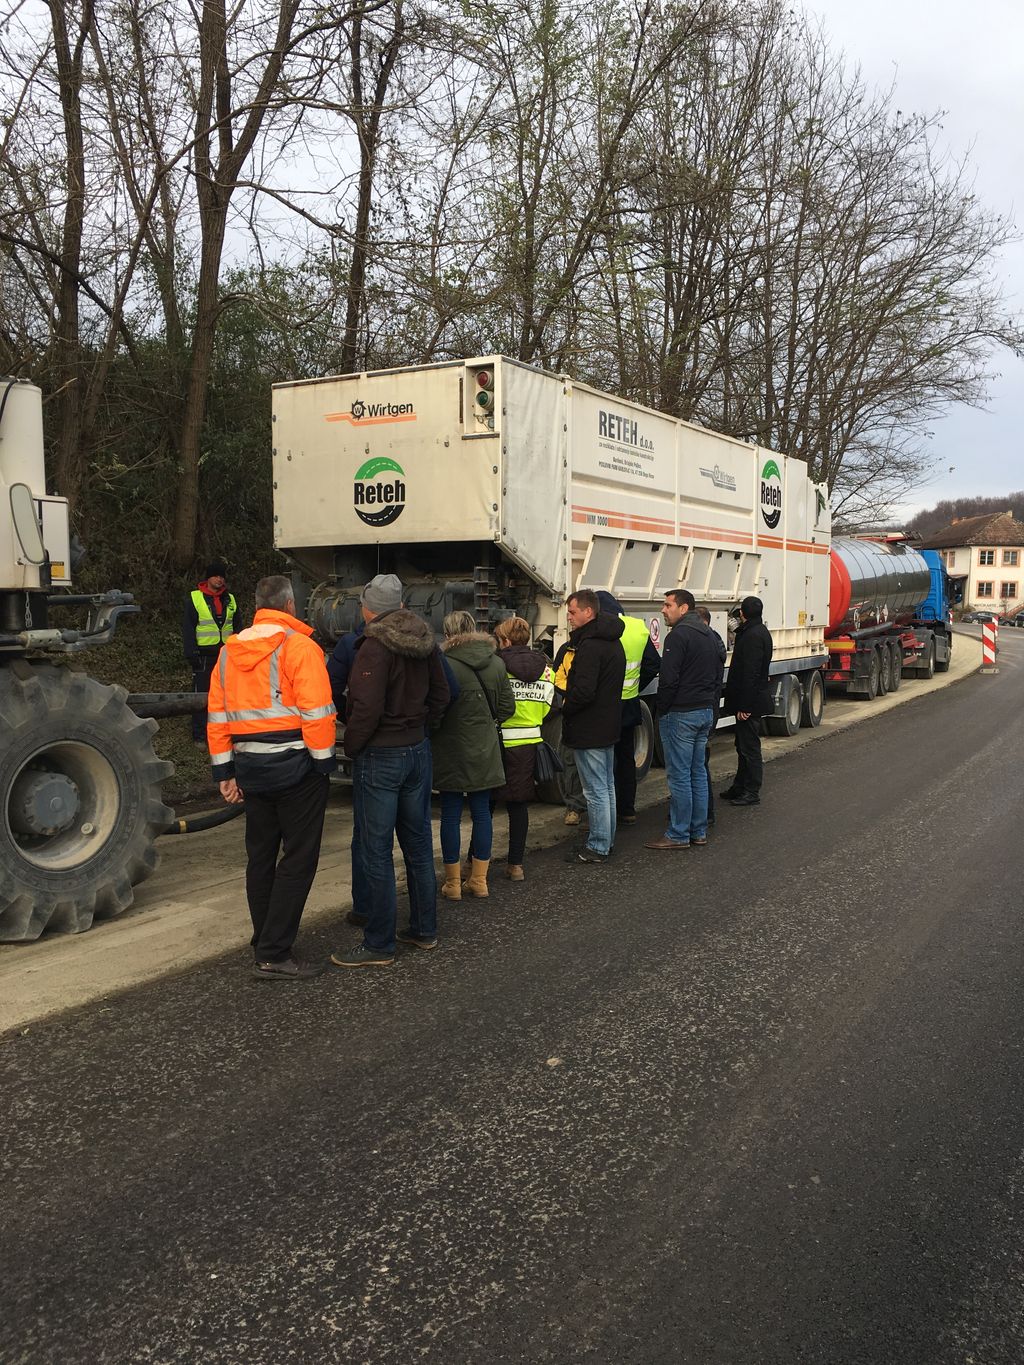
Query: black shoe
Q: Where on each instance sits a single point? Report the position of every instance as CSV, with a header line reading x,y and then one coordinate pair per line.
x,y
746,799
354,917
627,819
288,970
362,957
730,793
416,940
587,855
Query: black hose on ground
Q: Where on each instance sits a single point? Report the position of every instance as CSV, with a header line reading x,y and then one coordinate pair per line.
x,y
192,824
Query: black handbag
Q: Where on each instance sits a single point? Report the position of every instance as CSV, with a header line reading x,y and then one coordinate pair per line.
x,y
546,764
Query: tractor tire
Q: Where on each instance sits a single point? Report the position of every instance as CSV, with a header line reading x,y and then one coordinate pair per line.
x,y
80,803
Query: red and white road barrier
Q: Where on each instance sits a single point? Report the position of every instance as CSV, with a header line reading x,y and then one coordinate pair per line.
x,y
989,643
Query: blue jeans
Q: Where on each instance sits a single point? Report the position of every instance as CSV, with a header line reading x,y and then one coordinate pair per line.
x,y
392,796
684,738
596,768
451,819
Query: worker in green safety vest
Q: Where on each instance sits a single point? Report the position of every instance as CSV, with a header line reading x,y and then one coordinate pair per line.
x,y
209,618
642,665
532,680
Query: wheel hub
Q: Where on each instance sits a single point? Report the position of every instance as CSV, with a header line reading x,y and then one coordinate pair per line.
x,y
43,803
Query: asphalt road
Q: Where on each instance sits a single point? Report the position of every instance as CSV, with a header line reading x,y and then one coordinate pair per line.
x,y
757,1103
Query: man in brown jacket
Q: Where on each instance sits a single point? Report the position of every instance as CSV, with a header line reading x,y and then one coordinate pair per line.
x,y
396,689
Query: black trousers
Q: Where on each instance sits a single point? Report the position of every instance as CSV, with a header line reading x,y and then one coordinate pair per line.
x,y
518,829
201,683
625,772
749,765
277,891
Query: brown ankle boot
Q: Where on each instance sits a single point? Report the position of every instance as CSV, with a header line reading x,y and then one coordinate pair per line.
x,y
452,887
466,870
476,885
514,872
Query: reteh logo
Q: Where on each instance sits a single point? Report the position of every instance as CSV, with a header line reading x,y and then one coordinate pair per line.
x,y
377,499
771,494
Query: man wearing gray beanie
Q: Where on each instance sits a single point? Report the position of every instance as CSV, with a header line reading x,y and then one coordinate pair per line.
x,y
382,594
396,690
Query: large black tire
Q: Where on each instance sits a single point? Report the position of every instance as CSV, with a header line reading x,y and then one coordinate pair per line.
x,y
813,707
72,753
644,746
791,697
884,670
896,670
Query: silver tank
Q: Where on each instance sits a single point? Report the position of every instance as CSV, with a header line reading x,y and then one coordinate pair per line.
x,y
873,582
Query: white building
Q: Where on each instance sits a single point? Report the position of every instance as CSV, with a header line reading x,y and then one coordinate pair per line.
x,y
984,559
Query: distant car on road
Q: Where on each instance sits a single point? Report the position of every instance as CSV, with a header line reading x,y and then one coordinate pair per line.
x,y
974,617
1015,620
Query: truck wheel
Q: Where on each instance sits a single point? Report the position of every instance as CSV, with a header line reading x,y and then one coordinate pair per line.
x,y
870,691
643,749
884,670
896,668
80,801
791,699
813,707
928,671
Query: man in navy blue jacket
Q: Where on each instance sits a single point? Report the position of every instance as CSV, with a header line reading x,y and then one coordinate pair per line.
x,y
688,687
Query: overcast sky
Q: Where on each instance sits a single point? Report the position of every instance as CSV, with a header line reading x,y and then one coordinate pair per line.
x,y
968,59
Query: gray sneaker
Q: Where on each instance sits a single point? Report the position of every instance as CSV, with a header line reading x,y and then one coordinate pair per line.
x,y
362,957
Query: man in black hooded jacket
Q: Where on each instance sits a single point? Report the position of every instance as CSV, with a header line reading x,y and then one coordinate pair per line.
x,y
748,696
592,715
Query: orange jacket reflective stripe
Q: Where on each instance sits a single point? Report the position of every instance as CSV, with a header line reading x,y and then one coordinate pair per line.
x,y
270,694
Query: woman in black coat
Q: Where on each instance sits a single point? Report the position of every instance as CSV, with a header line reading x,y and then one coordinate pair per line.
x,y
525,666
748,696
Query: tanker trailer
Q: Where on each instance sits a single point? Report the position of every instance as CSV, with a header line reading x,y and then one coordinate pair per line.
x,y
888,615
79,781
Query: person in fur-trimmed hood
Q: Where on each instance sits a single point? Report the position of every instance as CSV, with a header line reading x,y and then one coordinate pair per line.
x,y
396,688
467,749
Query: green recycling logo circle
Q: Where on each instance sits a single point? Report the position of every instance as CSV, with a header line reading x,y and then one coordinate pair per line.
x,y
379,500
771,494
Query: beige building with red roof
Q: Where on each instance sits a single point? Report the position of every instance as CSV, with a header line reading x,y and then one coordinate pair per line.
x,y
984,559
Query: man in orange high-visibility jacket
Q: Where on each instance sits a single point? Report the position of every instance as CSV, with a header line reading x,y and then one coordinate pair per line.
x,y
271,738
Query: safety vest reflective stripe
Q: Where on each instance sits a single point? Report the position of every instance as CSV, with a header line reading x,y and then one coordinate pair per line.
x,y
533,702
276,709
634,639
208,633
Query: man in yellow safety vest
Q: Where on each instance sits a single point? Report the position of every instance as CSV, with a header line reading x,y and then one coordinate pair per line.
x,y
209,618
642,665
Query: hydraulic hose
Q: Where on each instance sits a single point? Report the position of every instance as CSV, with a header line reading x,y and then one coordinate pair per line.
x,y
192,824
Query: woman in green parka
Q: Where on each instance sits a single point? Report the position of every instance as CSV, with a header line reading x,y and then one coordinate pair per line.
x,y
467,749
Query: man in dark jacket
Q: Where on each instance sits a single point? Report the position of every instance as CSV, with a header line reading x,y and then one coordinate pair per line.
x,y
748,696
396,689
642,666
209,618
592,715
691,675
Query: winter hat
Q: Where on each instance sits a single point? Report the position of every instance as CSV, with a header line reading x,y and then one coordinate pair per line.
x,y
382,593
609,604
751,607
216,569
